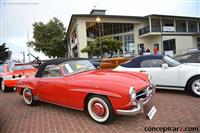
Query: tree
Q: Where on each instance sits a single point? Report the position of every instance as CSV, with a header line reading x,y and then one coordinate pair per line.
x,y
5,53
49,38
109,45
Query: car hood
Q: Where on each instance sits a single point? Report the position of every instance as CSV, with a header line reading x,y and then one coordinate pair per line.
x,y
111,79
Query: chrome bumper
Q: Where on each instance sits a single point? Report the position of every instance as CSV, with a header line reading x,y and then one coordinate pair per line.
x,y
138,104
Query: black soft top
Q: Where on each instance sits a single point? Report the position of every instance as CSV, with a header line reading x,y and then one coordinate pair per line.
x,y
54,62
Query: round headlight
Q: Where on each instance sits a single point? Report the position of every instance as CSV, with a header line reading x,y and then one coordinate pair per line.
x,y
149,77
132,93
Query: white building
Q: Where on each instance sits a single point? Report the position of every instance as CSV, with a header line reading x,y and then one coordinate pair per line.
x,y
177,33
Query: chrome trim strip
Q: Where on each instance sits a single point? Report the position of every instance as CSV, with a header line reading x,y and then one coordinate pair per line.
x,y
53,103
170,88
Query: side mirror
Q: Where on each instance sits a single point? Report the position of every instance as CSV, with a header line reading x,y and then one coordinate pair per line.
x,y
164,66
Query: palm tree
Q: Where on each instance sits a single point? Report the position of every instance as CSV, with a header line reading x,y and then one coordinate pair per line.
x,y
5,53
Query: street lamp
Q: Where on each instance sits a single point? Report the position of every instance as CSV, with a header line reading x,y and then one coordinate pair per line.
x,y
98,20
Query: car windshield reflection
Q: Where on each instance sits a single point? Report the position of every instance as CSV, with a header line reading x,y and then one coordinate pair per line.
x,y
171,61
77,66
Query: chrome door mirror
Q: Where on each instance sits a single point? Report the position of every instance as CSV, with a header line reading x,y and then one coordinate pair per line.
x,y
164,66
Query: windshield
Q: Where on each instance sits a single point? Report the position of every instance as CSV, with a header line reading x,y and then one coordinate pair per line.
x,y
23,67
77,66
170,61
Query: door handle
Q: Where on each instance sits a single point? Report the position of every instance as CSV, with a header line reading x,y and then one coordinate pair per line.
x,y
142,71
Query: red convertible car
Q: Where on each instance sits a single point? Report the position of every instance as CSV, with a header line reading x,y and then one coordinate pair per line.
x,y
12,73
75,83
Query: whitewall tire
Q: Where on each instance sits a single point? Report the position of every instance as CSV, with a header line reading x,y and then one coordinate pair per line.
x,y
100,109
28,97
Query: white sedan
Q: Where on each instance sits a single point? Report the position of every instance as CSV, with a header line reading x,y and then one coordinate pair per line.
x,y
166,72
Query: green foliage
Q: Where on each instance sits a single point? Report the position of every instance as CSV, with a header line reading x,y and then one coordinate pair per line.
x,y
5,53
49,38
109,45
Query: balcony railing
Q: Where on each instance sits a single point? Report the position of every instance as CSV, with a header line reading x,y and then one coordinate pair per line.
x,y
181,29
154,28
191,29
144,30
157,28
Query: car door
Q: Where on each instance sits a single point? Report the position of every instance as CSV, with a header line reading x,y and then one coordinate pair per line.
x,y
160,76
52,86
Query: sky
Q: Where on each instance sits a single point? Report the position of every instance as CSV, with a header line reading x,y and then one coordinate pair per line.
x,y
17,16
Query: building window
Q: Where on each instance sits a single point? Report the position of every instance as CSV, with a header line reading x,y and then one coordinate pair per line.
x,y
168,22
169,45
198,43
129,44
141,49
180,26
192,26
199,26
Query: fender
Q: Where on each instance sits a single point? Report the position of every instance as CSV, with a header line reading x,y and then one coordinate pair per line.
x,y
21,87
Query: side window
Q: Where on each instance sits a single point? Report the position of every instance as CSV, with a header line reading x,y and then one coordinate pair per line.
x,y
52,71
152,63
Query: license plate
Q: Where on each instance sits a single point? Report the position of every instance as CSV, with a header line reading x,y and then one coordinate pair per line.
x,y
152,112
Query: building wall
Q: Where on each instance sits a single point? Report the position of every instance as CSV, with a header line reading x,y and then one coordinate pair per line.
x,y
82,37
183,43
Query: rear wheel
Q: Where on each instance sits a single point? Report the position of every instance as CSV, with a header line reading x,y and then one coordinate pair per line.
x,y
194,86
100,109
28,97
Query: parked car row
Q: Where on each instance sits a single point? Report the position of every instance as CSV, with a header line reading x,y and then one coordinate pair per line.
x,y
77,84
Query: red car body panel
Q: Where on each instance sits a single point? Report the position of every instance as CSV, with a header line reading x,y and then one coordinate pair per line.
x,y
71,91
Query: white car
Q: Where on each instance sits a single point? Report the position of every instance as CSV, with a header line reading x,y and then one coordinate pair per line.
x,y
166,72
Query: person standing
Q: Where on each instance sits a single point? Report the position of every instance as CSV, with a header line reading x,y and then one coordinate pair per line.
x,y
148,50
155,50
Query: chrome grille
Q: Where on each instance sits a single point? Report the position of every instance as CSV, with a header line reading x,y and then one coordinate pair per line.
x,y
143,93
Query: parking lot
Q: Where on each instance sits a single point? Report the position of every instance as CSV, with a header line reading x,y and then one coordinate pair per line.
x,y
174,109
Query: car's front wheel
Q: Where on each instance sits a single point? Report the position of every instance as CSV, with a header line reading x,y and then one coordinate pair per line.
x,y
3,86
100,109
194,86
28,97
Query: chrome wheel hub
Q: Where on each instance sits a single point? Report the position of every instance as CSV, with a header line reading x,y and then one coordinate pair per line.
x,y
98,109
27,96
196,86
